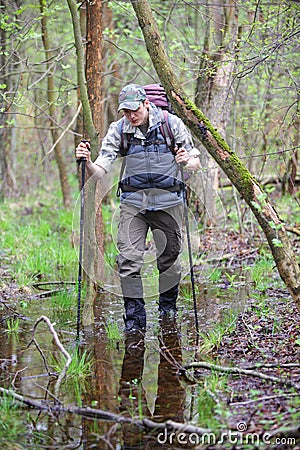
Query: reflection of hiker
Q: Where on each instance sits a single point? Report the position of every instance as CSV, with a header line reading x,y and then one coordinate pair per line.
x,y
170,397
151,197
169,403
131,392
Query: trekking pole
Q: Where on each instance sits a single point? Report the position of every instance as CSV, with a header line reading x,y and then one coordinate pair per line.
x,y
81,226
186,218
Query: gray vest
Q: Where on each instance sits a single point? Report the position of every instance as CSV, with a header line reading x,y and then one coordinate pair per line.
x,y
151,178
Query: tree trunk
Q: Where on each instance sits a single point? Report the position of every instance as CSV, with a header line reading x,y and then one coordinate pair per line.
x,y
94,248
293,160
3,139
213,91
111,66
90,84
90,241
63,175
238,174
7,132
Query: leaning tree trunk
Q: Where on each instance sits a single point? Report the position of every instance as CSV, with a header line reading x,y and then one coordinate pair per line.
x,y
238,174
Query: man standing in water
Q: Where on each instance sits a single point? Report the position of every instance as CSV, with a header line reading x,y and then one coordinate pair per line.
x,y
151,198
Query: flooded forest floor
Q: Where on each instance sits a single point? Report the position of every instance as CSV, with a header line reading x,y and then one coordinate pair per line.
x,y
257,408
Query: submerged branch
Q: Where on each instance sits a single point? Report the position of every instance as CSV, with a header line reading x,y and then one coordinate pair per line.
x,y
44,287
50,293
104,415
52,283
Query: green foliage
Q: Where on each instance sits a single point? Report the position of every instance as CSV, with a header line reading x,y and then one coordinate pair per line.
x,y
112,330
135,407
215,275
78,372
208,404
264,77
12,325
211,340
110,230
186,292
11,425
294,407
261,272
35,235
231,278
262,308
63,304
80,367
288,209
36,240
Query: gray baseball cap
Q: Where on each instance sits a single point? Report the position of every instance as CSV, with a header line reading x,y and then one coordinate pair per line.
x,y
131,97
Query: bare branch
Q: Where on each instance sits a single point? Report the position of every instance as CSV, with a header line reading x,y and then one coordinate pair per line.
x,y
241,371
62,134
61,348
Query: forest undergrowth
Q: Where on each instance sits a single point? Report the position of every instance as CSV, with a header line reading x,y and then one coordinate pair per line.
x,y
36,247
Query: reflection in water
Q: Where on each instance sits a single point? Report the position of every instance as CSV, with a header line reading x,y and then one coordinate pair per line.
x,y
114,384
170,397
170,393
133,399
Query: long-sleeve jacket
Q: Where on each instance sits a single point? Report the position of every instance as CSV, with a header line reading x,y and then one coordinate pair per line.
x,y
151,179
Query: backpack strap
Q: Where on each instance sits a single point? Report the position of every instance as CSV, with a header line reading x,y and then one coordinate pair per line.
x,y
166,131
125,137
119,189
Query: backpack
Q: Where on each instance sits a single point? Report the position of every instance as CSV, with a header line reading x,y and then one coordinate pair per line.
x,y
156,95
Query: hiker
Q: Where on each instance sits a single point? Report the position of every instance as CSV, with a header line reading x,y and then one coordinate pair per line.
x,y
151,196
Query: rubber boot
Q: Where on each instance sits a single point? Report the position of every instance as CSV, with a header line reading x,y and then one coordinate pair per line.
x,y
167,302
135,315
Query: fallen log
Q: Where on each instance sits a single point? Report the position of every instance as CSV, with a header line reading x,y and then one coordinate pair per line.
x,y
99,414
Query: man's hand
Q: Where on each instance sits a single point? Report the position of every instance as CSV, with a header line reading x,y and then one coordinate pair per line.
x,y
182,156
83,151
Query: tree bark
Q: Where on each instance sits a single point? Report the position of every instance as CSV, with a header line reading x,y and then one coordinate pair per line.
x,y
7,132
94,76
63,175
217,147
90,239
293,160
86,109
214,91
112,65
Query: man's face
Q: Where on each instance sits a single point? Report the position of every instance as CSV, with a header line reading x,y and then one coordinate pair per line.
x,y
139,116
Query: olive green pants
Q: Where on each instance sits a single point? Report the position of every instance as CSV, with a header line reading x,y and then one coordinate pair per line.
x,y
166,227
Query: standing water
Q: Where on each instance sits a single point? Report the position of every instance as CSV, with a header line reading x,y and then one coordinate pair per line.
x,y
132,376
